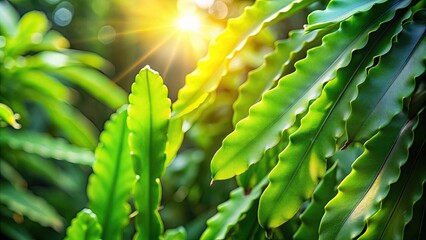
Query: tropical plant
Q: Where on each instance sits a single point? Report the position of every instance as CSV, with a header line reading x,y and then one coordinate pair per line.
x,y
328,134
38,77
326,139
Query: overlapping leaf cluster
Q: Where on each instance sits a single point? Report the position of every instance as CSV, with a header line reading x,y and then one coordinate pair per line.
x,y
328,133
353,76
38,78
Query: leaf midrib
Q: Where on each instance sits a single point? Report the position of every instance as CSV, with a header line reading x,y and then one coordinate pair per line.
x,y
388,86
109,207
384,163
402,191
274,122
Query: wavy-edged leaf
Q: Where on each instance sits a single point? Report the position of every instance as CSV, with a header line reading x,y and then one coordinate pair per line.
x,y
418,99
175,136
35,208
345,159
415,229
31,28
248,227
112,179
175,234
337,11
14,231
84,226
302,163
96,84
52,41
325,191
230,212
274,113
360,193
148,119
44,83
10,174
397,208
205,78
42,169
311,217
7,115
46,146
258,171
262,78
387,84
90,59
74,125
9,19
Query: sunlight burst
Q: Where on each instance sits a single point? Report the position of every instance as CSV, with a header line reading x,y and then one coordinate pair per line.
x,y
189,23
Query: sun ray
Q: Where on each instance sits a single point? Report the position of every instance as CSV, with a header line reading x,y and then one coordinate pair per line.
x,y
144,57
125,33
172,55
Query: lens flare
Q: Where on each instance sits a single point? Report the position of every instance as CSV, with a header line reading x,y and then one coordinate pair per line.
x,y
189,23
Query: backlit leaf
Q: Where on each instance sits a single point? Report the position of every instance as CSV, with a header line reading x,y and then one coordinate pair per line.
x,y
7,115
205,78
84,226
303,162
35,208
112,179
46,146
393,79
337,11
148,118
397,208
231,211
273,114
360,193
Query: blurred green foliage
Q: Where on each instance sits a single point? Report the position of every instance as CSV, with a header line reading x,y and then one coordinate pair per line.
x,y
40,79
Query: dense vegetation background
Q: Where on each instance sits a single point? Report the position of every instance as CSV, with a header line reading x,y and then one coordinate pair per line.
x,y
304,119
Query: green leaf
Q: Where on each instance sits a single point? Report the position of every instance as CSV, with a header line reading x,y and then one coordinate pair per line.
x,y
42,169
360,193
31,29
7,115
175,234
337,11
35,208
230,212
46,146
387,84
397,208
76,127
205,78
44,83
175,136
262,78
14,231
10,173
96,84
84,227
325,191
254,134
303,162
311,217
415,228
52,41
112,179
258,171
90,59
248,228
148,119
9,20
